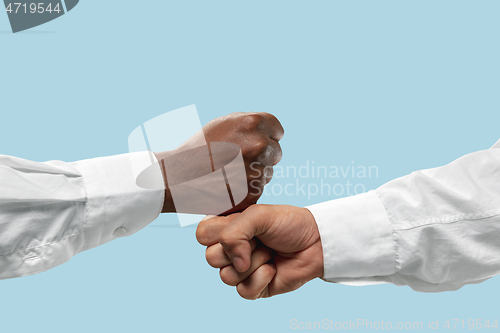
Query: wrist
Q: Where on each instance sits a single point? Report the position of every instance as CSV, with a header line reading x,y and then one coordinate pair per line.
x,y
317,260
168,203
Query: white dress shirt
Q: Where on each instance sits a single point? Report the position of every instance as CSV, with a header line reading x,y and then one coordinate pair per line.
x,y
51,211
433,230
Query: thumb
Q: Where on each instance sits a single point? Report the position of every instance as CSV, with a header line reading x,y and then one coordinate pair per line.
x,y
235,238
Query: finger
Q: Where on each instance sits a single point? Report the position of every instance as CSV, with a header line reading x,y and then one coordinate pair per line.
x,y
255,286
267,151
276,152
217,257
232,277
235,237
268,175
208,230
273,126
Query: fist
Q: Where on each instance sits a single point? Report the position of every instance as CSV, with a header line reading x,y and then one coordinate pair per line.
x,y
264,251
256,135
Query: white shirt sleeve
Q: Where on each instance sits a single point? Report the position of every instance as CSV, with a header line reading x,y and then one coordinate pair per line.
x,y
433,230
51,211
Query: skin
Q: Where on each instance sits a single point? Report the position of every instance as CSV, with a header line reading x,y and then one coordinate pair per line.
x,y
264,251
256,134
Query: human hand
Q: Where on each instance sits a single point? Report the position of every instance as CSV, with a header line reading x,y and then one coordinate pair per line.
x,y
264,251
255,134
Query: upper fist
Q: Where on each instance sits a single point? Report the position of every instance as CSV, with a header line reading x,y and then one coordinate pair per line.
x,y
193,172
257,134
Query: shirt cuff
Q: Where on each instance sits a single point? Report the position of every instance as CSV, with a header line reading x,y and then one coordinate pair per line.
x,y
356,237
497,145
116,206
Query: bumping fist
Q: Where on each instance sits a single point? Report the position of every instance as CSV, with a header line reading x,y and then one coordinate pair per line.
x,y
255,134
264,251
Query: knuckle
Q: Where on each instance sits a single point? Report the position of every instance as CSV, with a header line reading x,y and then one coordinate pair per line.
x,y
268,173
275,122
259,146
227,276
256,147
226,238
252,121
210,256
278,154
269,270
216,257
246,293
255,209
201,233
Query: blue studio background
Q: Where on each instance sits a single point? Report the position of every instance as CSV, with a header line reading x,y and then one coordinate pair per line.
x,y
400,85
